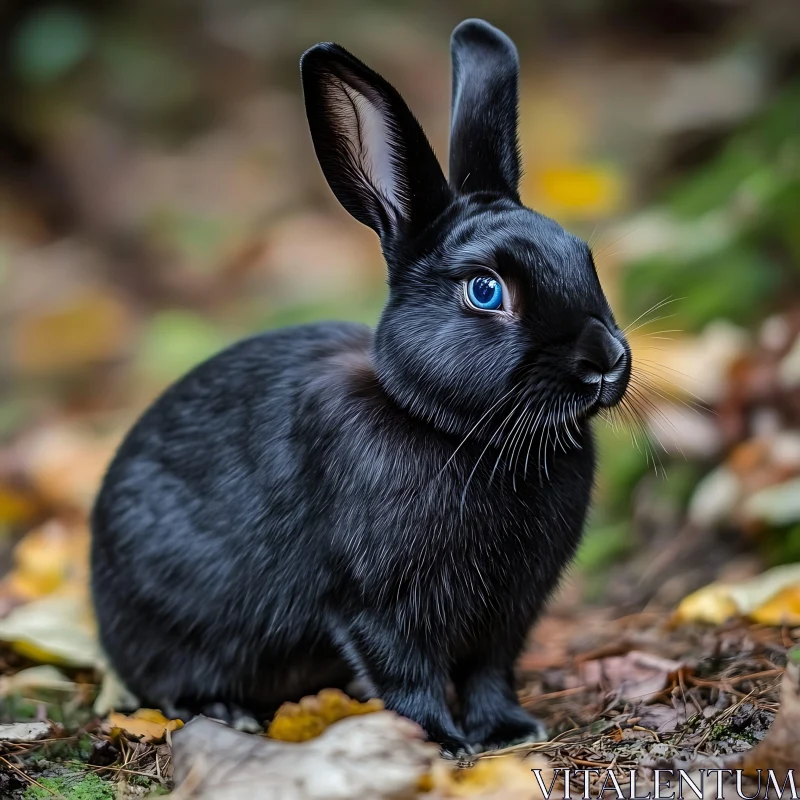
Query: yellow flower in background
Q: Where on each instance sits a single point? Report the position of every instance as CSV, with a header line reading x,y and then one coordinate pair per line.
x,y
575,191
563,176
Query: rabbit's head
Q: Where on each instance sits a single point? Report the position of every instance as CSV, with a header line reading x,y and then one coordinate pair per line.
x,y
493,309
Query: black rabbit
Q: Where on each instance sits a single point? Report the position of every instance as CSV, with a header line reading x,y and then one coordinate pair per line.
x,y
326,501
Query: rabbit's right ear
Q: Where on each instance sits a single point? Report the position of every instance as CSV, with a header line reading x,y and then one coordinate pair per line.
x,y
484,150
372,150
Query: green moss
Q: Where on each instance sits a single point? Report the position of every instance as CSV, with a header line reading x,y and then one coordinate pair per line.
x,y
72,787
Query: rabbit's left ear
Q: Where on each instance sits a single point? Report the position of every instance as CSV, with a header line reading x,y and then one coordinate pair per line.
x,y
484,149
371,148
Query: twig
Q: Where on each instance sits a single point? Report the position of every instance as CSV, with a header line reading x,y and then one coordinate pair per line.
x,y
96,768
28,777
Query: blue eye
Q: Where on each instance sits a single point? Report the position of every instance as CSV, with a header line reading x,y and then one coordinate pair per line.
x,y
485,293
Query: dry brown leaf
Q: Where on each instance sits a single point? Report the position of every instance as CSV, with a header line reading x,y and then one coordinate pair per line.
x,y
696,367
147,724
299,722
636,675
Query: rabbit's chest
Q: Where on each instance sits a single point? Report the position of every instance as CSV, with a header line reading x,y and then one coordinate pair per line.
x,y
464,564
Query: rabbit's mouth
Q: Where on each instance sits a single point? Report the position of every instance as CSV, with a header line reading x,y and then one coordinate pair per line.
x,y
601,361
611,389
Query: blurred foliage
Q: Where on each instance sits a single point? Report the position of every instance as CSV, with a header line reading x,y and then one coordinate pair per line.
x,y
48,43
160,200
753,188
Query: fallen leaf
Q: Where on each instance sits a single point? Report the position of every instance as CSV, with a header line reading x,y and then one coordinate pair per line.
x,y
380,756
635,676
58,628
113,694
24,731
771,598
46,559
148,724
660,718
31,681
712,603
781,609
299,722
506,777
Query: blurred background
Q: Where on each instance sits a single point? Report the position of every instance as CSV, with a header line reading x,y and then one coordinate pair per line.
x,y
159,198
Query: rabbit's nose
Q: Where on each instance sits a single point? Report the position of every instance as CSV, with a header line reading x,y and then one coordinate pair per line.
x,y
599,355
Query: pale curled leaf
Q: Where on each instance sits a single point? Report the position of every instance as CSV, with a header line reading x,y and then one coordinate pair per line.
x,y
380,756
24,731
58,628
32,681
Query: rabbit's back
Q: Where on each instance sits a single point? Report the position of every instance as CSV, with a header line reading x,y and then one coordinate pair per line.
x,y
200,553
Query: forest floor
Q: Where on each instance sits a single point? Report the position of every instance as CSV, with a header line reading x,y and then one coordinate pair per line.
x,y
633,692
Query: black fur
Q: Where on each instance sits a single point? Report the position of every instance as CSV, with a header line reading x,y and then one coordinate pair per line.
x,y
322,502
484,151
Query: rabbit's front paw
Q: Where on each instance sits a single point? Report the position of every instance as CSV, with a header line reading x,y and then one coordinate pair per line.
x,y
517,728
456,749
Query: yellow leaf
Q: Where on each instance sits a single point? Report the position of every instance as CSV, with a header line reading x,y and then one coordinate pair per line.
x,y
503,777
46,559
782,609
772,598
299,722
148,724
712,604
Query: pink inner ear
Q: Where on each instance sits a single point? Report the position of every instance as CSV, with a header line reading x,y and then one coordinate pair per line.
x,y
363,122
